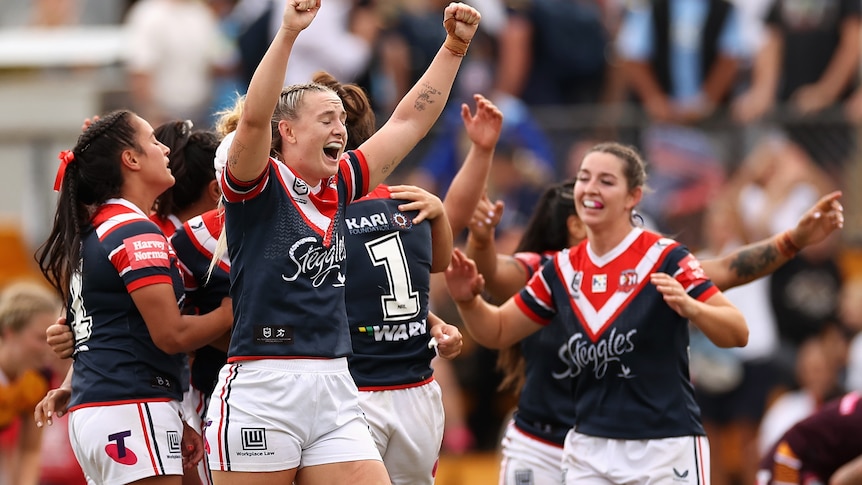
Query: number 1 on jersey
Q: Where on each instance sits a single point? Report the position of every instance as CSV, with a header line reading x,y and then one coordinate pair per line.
x,y
402,301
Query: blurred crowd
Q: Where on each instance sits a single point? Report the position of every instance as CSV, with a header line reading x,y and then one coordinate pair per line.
x,y
746,112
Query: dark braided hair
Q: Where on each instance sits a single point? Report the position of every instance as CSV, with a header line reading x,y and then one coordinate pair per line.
x,y
547,230
191,164
93,177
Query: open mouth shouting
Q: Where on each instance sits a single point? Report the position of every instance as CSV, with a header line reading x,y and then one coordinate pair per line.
x,y
332,151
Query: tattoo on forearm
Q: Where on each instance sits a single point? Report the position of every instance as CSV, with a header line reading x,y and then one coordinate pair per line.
x,y
752,262
425,97
234,153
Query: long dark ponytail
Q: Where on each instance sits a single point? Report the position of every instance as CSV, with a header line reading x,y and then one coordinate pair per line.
x,y
91,177
547,230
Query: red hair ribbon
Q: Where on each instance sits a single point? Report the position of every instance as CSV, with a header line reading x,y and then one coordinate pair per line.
x,y
66,157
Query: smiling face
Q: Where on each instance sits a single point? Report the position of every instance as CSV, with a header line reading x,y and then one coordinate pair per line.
x,y
603,198
313,143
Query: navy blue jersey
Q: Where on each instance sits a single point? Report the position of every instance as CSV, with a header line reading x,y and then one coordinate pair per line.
x,y
195,243
115,357
286,247
545,407
627,348
387,295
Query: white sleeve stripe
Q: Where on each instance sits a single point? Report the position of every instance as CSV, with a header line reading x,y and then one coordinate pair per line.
x,y
117,220
251,189
355,190
537,300
115,251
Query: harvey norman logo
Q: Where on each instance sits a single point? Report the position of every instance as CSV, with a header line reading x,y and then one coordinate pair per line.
x,y
146,250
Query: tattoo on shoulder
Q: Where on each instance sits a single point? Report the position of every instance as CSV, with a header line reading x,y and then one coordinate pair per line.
x,y
752,262
515,264
426,97
234,153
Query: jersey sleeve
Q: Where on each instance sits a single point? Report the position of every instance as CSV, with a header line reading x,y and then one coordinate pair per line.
x,y
686,269
140,253
194,244
536,298
353,169
180,241
235,190
531,262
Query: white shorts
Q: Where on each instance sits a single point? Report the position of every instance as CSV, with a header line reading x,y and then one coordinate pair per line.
x,y
194,409
668,461
527,460
279,414
407,425
123,443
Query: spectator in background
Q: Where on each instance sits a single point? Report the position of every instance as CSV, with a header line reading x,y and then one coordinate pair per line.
x,y
818,383
523,162
26,311
850,314
227,77
770,191
732,385
172,52
408,42
537,62
680,59
350,28
58,463
809,60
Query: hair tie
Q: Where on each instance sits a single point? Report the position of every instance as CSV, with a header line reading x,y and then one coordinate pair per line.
x,y
66,157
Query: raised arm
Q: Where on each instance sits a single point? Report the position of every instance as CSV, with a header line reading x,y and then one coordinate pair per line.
x,y
483,129
249,152
504,275
417,112
491,326
762,258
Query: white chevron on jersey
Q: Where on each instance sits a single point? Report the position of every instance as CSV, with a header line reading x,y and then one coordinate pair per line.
x,y
206,240
317,209
120,219
595,321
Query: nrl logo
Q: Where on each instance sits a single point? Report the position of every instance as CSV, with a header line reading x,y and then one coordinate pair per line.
x,y
576,284
300,187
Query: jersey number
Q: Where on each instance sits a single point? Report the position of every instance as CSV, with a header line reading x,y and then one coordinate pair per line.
x,y
402,301
82,324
